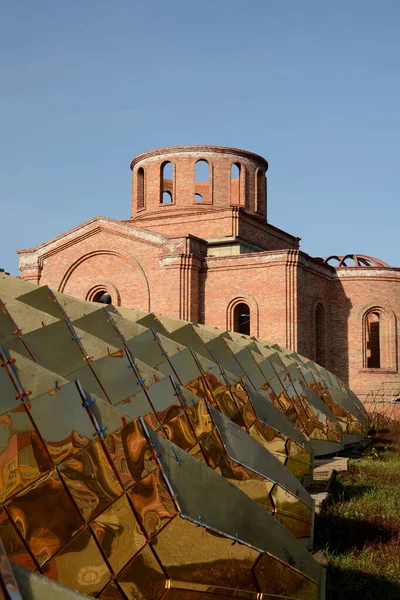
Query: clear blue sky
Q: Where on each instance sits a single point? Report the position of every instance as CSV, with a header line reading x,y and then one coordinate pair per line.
x,y
311,85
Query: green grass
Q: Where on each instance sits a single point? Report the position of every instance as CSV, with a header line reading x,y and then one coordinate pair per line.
x,y
359,532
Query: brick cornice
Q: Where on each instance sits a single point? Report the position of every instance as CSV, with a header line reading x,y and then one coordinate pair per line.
x,y
198,149
369,274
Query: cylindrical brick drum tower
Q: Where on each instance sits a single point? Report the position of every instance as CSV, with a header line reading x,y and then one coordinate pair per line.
x,y
182,179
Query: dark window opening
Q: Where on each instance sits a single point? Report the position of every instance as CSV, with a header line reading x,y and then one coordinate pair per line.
x,y
241,319
102,296
320,349
373,342
140,188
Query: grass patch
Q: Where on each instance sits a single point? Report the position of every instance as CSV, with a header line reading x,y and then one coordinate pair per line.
x,y
359,532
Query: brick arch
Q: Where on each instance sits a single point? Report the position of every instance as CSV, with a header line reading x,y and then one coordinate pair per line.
x,y
126,278
387,336
205,188
254,313
108,287
168,185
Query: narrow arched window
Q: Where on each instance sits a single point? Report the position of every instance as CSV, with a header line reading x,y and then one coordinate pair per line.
x,y
320,335
379,330
167,183
261,191
202,191
140,188
373,345
241,318
235,183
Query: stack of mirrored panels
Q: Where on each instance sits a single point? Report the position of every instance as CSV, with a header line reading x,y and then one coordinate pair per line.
x,y
143,456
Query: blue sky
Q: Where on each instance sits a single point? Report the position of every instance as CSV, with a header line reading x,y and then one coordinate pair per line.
x,y
313,86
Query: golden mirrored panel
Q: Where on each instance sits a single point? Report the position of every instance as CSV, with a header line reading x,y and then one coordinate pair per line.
x,y
121,508
79,565
112,592
23,456
45,516
118,533
14,547
143,578
191,553
231,514
130,453
263,477
63,422
152,502
274,577
90,480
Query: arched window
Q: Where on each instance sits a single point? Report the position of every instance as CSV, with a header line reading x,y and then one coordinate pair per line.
x,y
379,339
261,191
241,318
373,345
202,191
235,183
320,335
103,297
167,183
140,188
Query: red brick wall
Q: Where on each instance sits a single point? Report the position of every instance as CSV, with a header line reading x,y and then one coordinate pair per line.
x,y
366,288
150,272
282,288
151,262
314,287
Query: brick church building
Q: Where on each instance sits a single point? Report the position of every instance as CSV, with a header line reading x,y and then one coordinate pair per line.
x,y
198,246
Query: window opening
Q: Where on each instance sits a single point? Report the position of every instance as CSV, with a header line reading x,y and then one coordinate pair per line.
x,y
202,181
241,319
140,188
102,296
167,183
373,341
320,350
235,183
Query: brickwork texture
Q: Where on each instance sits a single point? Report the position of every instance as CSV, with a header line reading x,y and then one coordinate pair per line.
x,y
161,260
